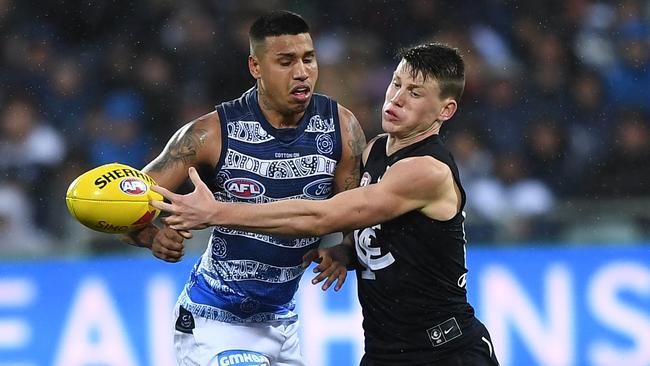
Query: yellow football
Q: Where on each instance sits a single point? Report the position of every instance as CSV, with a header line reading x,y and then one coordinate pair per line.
x,y
112,198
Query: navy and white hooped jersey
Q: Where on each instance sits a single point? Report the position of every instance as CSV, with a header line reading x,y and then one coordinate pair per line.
x,y
248,277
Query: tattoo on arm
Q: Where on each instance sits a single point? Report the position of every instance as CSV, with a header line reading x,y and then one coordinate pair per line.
x,y
356,143
182,149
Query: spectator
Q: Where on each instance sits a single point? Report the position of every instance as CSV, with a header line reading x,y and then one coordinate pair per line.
x,y
628,80
511,200
30,153
473,160
625,172
19,232
547,155
120,137
504,114
67,97
590,113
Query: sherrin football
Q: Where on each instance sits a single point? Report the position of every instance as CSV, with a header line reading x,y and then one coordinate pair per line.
x,y
112,198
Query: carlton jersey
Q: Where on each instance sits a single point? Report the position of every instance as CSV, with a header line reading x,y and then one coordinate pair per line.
x,y
412,289
246,277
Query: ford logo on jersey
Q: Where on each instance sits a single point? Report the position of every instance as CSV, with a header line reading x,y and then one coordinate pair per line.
x,y
244,188
319,189
133,186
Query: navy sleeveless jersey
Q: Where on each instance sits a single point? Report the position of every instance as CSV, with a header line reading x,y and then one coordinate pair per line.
x,y
248,277
412,286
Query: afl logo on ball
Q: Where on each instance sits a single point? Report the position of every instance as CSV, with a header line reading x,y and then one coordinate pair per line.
x,y
133,186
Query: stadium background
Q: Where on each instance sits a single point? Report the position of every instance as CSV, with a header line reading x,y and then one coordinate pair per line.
x,y
551,139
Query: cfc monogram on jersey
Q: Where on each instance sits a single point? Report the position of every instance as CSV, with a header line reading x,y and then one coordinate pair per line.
x,y
371,256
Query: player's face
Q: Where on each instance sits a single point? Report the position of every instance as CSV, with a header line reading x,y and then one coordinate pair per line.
x,y
413,106
287,72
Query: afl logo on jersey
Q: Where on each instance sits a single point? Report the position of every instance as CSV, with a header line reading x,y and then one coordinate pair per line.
x,y
324,144
319,189
133,186
244,188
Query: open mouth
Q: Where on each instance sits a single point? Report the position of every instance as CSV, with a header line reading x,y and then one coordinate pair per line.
x,y
301,93
390,114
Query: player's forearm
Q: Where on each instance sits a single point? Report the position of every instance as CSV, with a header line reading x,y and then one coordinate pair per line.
x,y
290,217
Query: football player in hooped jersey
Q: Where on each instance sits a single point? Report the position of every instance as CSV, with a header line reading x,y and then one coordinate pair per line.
x,y
408,215
278,141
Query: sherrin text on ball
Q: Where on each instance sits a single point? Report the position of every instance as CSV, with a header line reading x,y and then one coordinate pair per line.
x,y
113,198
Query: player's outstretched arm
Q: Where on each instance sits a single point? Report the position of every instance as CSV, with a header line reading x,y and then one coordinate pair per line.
x,y
420,183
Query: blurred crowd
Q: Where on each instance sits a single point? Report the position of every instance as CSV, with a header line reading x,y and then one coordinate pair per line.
x,y
556,111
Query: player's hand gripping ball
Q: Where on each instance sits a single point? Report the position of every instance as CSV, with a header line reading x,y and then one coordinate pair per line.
x,y
113,198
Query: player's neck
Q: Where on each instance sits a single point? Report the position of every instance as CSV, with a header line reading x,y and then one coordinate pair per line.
x,y
397,141
279,120
276,118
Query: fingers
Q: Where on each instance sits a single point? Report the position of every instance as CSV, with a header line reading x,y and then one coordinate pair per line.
x,y
168,255
324,263
338,276
168,250
173,240
176,223
186,234
331,272
194,177
163,206
168,245
164,192
310,256
171,221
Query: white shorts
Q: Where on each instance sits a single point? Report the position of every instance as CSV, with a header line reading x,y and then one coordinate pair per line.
x,y
214,343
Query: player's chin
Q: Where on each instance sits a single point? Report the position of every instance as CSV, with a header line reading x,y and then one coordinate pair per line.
x,y
388,126
299,107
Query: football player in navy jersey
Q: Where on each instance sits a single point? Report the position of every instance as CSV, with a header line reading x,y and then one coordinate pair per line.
x,y
279,140
407,216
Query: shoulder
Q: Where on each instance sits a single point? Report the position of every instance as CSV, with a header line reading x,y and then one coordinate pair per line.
x,y
351,131
414,183
374,139
239,102
201,136
208,122
369,146
425,170
345,115
206,126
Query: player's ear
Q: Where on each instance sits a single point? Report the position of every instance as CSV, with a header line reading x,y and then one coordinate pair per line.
x,y
449,108
254,67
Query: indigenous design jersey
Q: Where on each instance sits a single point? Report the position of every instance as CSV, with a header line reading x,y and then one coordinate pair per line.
x,y
248,277
412,289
